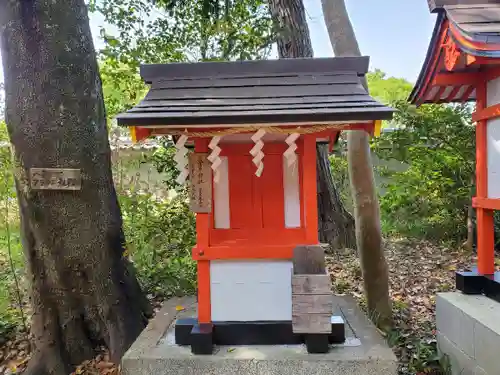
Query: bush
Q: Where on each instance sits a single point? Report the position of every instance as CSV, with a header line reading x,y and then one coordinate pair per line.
x,y
160,235
430,198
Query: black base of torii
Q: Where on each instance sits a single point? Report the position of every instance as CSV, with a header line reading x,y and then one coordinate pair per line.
x,y
472,282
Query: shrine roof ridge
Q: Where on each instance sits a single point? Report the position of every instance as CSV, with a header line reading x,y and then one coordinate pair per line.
x,y
468,29
286,91
254,68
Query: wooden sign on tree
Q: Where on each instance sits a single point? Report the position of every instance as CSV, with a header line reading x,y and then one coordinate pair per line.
x,y
55,179
200,188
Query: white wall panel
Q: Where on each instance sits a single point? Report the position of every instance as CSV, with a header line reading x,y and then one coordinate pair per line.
x,y
493,141
221,197
292,194
249,290
493,92
493,150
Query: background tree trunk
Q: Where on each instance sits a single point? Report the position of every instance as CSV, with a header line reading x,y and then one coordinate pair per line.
x,y
336,224
83,291
366,206
469,242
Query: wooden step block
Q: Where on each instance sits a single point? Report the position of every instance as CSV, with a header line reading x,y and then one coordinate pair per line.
x,y
312,304
311,284
312,323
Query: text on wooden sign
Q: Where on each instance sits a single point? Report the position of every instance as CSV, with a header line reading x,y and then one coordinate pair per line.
x,y
200,187
55,179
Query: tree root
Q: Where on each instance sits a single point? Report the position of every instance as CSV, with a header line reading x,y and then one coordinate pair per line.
x,y
47,362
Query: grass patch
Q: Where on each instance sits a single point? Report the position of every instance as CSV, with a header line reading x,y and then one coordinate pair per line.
x,y
11,280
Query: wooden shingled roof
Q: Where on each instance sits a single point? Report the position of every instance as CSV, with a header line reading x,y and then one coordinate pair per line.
x,y
480,20
288,91
473,28
436,5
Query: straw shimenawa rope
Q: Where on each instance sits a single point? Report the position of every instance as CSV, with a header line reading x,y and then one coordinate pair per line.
x,y
269,129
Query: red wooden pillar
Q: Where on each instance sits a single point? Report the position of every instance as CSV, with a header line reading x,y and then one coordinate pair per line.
x,y
202,238
485,222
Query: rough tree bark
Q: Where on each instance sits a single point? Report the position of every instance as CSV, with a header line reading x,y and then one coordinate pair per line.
x,y
83,291
336,224
366,206
469,242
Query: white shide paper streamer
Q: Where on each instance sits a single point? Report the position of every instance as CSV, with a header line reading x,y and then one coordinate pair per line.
x,y
181,159
290,155
256,151
214,157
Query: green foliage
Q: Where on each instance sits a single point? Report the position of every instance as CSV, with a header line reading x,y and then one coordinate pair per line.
x,y
7,191
160,236
147,31
159,229
122,87
429,199
4,136
11,257
155,32
425,359
163,161
387,89
10,314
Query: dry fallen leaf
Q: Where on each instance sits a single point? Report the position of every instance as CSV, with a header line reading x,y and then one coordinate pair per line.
x,y
417,271
104,365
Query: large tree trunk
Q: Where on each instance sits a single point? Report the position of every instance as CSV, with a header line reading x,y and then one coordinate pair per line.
x,y
336,224
83,291
366,206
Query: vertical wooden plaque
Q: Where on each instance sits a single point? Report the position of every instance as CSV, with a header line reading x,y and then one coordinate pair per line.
x,y
200,189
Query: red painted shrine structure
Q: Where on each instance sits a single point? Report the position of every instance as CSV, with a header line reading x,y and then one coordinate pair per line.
x,y
463,64
257,124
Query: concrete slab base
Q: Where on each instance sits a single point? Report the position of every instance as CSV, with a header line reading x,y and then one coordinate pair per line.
x,y
155,352
468,332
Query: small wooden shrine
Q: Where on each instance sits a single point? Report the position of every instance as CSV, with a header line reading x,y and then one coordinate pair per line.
x,y
463,64
254,126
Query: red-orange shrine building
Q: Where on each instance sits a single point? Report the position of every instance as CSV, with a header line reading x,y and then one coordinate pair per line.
x,y
463,64
257,123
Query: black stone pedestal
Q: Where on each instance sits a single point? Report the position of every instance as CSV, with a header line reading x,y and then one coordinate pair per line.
x,y
202,337
472,282
317,343
183,329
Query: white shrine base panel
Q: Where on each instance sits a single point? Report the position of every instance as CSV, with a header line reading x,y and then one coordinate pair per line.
x,y
250,290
